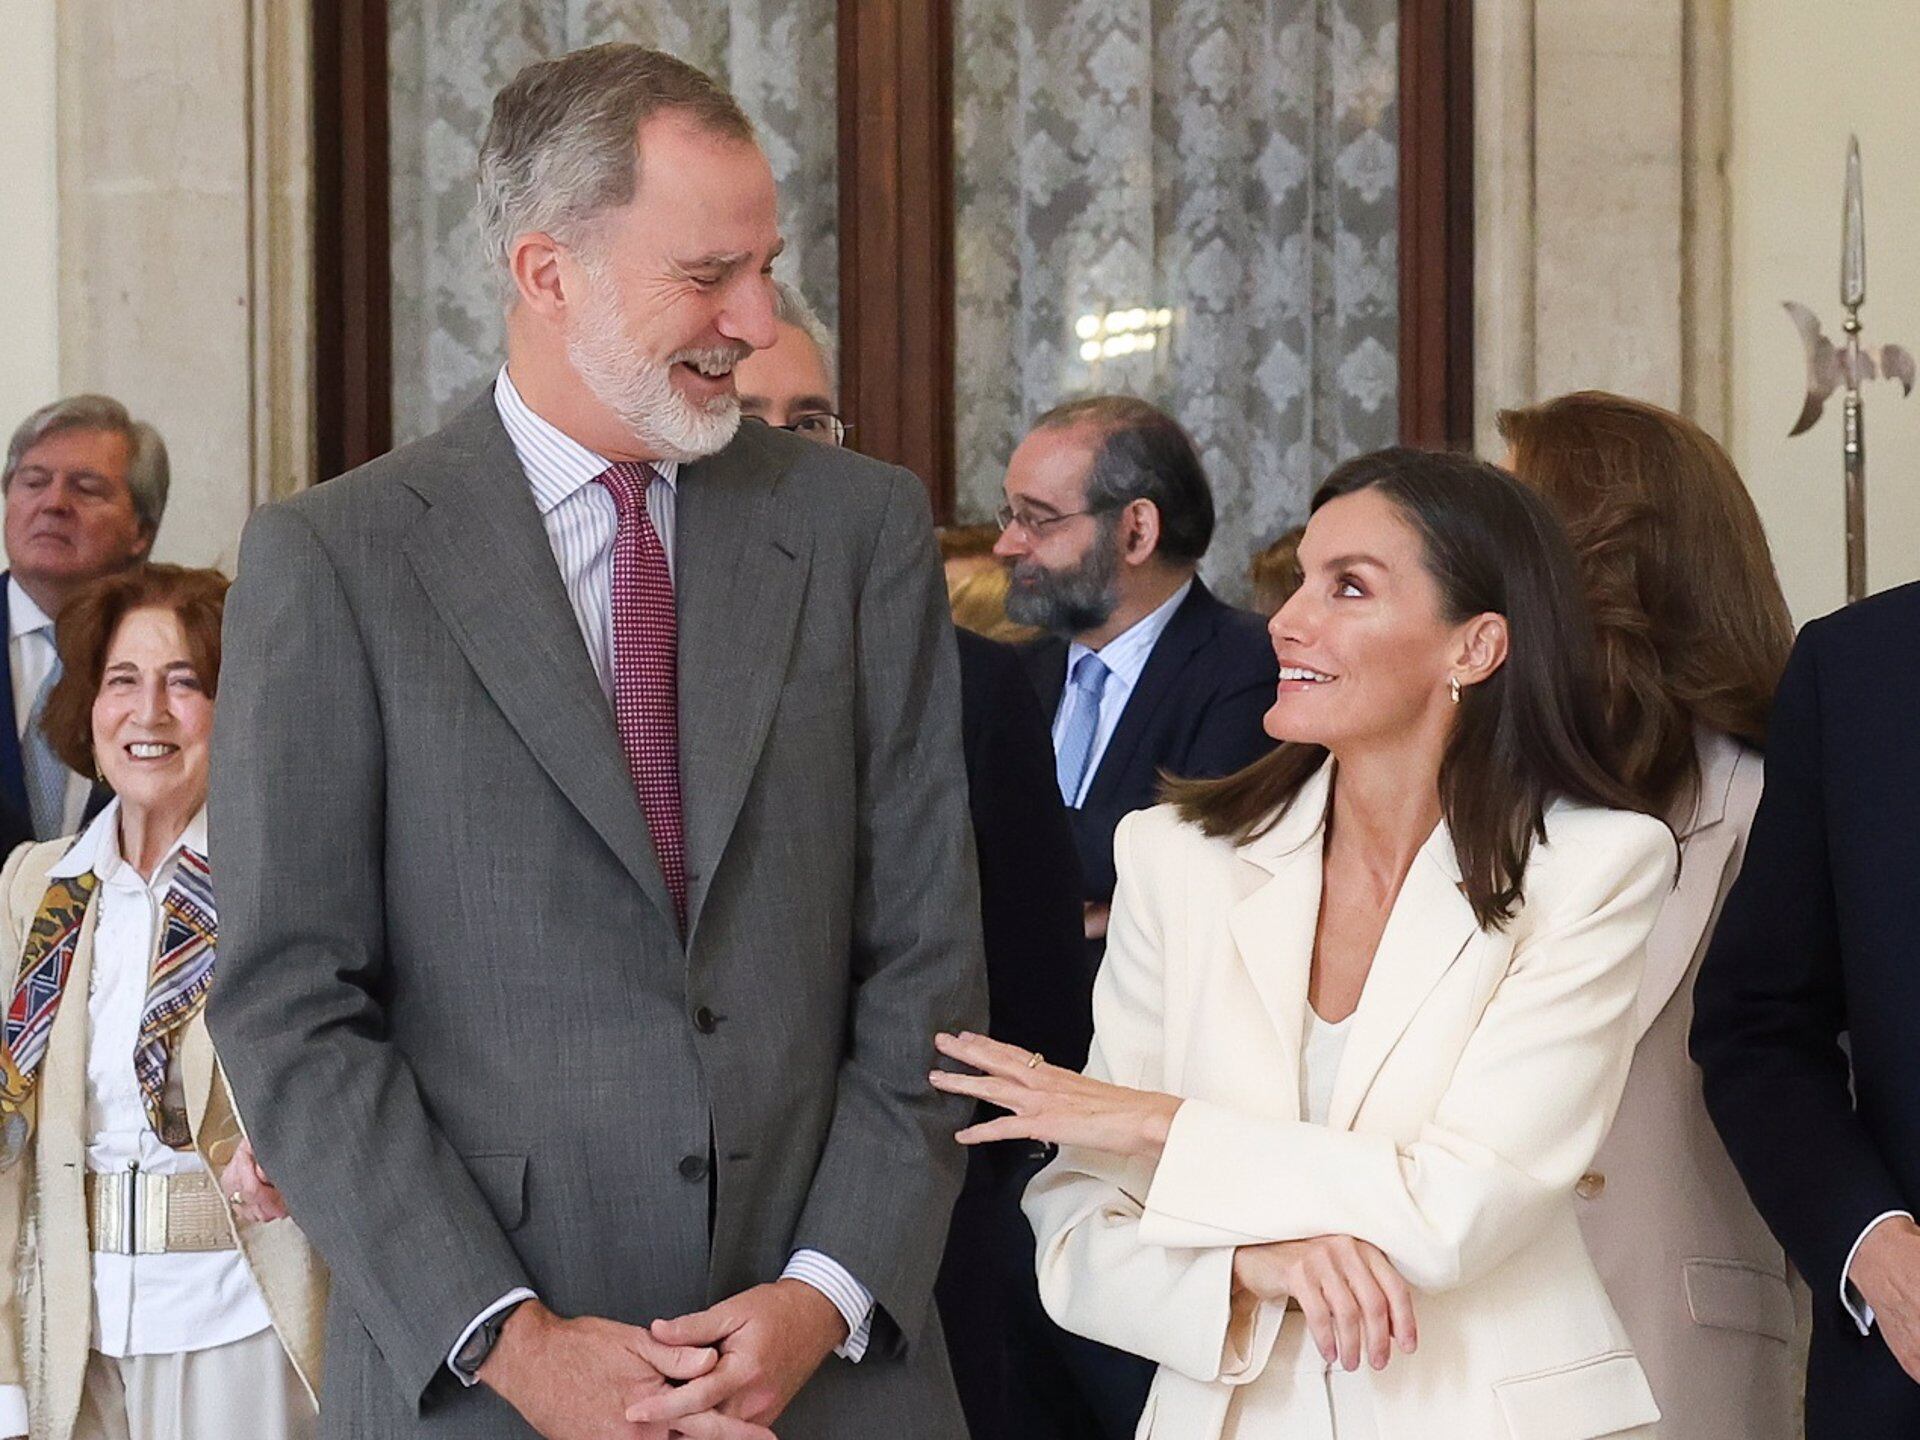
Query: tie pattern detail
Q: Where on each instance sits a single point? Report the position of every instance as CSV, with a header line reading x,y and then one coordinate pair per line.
x,y
646,671
1075,751
177,988
46,773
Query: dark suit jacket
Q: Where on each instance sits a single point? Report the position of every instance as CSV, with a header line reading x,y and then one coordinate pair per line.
x,y
1195,714
470,1043
1039,986
1821,937
16,819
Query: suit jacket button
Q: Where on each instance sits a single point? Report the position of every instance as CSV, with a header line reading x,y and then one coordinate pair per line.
x,y
1590,1185
705,1021
693,1167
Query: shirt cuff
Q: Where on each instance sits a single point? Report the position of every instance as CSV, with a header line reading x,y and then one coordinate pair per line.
x,y
852,1299
1856,1303
13,1410
512,1297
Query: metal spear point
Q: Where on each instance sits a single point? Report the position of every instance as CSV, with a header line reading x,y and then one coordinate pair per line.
x,y
1829,367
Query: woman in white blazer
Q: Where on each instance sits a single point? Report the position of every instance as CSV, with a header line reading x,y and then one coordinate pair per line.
x,y
1692,634
1366,1011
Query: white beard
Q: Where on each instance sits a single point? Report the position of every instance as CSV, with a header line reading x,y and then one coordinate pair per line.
x,y
640,391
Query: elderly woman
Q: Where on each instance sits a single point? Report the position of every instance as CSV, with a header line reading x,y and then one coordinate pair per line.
x,y
139,1308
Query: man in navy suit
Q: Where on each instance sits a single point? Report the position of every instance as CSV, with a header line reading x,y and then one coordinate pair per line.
x,y
86,486
1143,671
1820,942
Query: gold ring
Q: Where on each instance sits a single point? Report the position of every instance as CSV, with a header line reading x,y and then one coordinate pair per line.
x,y
1033,1060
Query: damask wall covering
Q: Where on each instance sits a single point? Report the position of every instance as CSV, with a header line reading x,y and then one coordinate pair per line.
x,y
1192,200
1221,173
448,57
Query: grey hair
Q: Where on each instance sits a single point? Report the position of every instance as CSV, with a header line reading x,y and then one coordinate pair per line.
x,y
1142,453
148,473
790,307
561,148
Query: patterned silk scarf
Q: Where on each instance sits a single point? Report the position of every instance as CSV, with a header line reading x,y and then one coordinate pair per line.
x,y
45,963
177,989
176,992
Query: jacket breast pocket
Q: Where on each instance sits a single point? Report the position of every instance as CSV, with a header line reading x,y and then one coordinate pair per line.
x,y
502,1178
1733,1295
1589,1398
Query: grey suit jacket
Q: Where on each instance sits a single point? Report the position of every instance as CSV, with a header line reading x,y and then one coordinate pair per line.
x,y
469,1043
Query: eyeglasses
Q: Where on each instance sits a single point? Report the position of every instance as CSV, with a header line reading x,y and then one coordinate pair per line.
x,y
821,425
1035,525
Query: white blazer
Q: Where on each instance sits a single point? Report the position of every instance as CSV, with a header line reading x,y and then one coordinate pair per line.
x,y
1479,1078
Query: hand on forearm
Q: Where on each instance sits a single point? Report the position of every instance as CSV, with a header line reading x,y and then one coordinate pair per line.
x,y
1352,1299
1051,1103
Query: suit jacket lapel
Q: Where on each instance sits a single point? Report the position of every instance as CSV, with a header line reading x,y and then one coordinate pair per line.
x,y
1273,925
1046,662
1187,630
1429,928
482,556
740,576
13,775
1707,845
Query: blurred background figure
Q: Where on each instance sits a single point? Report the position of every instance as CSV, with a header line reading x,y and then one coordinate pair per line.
x,y
977,584
1039,981
1274,571
86,486
140,1312
1691,636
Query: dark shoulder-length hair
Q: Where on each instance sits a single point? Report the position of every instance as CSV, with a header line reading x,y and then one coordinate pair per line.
x,y
1690,626
85,629
1528,734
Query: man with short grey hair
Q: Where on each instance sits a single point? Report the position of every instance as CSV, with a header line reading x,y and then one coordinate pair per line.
x,y
86,487
595,868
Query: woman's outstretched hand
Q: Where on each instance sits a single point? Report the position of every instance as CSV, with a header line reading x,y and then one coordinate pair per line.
x,y
1051,1103
1355,1303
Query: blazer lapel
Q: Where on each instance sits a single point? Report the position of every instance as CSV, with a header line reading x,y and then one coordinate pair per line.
x,y
1428,929
1273,925
13,775
1189,628
1046,662
482,556
1706,845
740,577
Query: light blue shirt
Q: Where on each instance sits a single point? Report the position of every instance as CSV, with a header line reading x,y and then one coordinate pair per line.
x,y
1125,656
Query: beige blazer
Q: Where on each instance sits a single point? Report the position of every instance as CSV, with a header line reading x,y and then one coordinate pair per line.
x,y
46,1287
1702,1286
1478,1080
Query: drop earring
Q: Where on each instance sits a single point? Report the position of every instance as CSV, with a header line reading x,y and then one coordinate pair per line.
x,y
1453,688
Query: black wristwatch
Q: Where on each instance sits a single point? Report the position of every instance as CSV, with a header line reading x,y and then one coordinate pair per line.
x,y
468,1359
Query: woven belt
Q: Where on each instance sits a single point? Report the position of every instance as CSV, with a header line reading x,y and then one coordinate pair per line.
x,y
133,1213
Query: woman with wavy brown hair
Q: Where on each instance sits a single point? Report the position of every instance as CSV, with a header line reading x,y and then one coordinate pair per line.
x,y
1691,635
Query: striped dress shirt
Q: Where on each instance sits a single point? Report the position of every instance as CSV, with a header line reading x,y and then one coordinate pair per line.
x,y
580,521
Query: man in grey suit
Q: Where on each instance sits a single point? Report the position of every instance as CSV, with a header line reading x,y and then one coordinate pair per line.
x,y
593,848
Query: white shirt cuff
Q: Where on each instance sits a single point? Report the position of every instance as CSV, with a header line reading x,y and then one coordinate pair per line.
x,y
512,1297
13,1410
1855,1303
852,1299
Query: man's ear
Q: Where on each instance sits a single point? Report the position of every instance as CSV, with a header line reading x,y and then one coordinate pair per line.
x,y
1140,532
541,271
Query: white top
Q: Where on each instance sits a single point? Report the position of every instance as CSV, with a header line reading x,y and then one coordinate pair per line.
x,y
581,522
1125,656
143,1304
30,655
1320,1052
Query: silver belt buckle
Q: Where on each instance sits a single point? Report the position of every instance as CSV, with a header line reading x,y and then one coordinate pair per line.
x,y
149,1214
111,1225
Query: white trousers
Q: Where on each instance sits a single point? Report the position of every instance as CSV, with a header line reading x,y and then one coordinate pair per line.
x,y
248,1390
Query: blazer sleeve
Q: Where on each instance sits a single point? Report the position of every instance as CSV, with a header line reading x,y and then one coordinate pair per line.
x,y
297,1012
887,1179
1520,1119
1770,1006
1098,1276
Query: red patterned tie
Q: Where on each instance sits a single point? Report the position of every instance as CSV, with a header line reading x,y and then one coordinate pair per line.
x,y
646,678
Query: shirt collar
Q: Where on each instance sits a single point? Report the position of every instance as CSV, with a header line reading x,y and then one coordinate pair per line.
x,y
24,615
98,849
557,465
1125,656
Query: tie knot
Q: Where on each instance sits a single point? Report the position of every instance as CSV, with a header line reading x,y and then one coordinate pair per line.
x,y
1090,673
627,482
